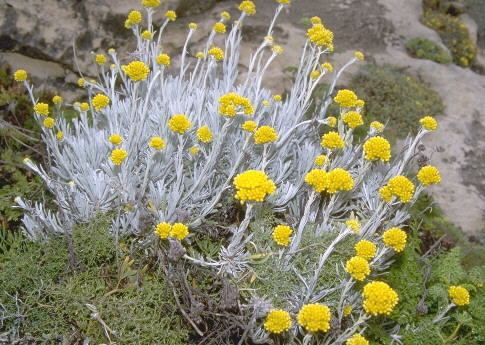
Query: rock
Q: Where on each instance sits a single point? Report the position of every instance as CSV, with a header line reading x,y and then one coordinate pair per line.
x,y
191,7
471,25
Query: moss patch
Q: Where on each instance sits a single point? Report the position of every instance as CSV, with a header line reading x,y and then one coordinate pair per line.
x,y
423,48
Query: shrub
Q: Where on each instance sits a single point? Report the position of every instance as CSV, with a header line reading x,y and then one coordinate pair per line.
x,y
245,201
395,97
423,48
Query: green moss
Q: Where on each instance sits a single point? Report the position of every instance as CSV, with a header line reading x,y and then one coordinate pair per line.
x,y
396,98
423,48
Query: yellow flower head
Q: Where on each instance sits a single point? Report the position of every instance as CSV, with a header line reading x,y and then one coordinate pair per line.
x,y
277,321
118,156
284,2
179,231
157,143
277,49
100,101
179,123
395,238
135,17
352,119
81,82
331,121
204,134
265,135
163,59
150,3
128,24
346,98
429,175
171,15
219,28
249,126
200,55
136,70
231,104
193,26
147,35
60,135
328,66
379,298
115,139
194,150
247,7
42,109
354,225
365,249
217,53
320,36
277,98
358,268
429,123
339,180
57,100
315,74
357,339
20,75
162,230
314,317
360,103
49,122
459,295
225,15
377,148
100,59
332,140
282,234
316,20
347,310
84,106
398,186
253,185
377,126
359,56
320,160
317,179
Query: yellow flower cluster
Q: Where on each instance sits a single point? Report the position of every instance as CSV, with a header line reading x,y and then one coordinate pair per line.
x,y
81,82
459,295
147,35
42,109
204,134
115,139
171,15
377,126
60,135
100,59
398,186
217,53
429,175
284,2
365,249
347,310
231,103
179,123
354,225
339,180
357,339
328,66
320,160
429,123
379,298
247,7
118,156
163,59
100,101
84,106
332,140
57,100
136,70
317,178
346,98
358,268
157,143
20,75
150,3
359,56
193,26
282,234
49,122
277,98
377,148
352,119
225,15
165,230
249,126
331,121
277,321
320,36
253,185
395,238
194,150
315,74
135,17
265,135
314,317
219,28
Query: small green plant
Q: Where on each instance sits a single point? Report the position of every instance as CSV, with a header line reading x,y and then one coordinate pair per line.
x,y
423,48
396,98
